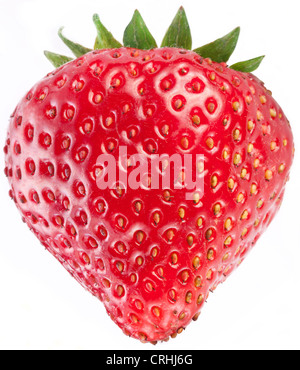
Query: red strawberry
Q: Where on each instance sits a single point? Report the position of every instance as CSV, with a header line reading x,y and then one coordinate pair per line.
x,y
150,255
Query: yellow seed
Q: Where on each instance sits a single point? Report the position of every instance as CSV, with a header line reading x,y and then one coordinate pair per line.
x,y
268,175
214,181
245,215
154,252
181,316
140,236
244,173
249,99
259,115
253,189
120,266
190,240
138,206
236,135
217,209
228,224
200,299
181,212
120,290
139,261
250,148
211,107
210,143
156,218
285,142
198,282
196,316
263,99
210,254
256,223
196,198
225,154
228,241
196,262
142,337
185,142
236,106
174,258
212,76
196,120
231,184
170,235
237,159
185,276
240,198
121,222
273,145
250,125
200,166
209,275
134,318
244,232
260,204
227,269
225,121
281,168
273,113
226,256
256,163
200,222
165,130
237,250
178,104
208,234
156,311
167,196
188,297
133,278
180,330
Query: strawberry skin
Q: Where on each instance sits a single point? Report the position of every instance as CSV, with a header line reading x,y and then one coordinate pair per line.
x,y
150,256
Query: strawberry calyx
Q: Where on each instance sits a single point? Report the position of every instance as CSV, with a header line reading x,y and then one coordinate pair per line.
x,y
179,33
104,39
138,36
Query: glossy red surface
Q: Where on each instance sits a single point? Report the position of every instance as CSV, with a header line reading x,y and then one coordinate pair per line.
x,y
151,256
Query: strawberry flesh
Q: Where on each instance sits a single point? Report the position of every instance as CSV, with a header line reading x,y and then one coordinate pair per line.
x,y
151,256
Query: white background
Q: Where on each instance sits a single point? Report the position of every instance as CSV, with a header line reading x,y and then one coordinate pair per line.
x,y
41,306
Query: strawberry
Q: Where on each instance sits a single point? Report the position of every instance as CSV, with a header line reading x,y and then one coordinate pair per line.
x,y
150,254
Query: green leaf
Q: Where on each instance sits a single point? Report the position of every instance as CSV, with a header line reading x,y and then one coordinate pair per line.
x,y
56,59
179,33
221,49
77,50
248,65
137,35
105,39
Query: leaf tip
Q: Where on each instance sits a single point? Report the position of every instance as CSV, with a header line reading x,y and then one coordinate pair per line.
x,y
136,14
248,66
96,17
